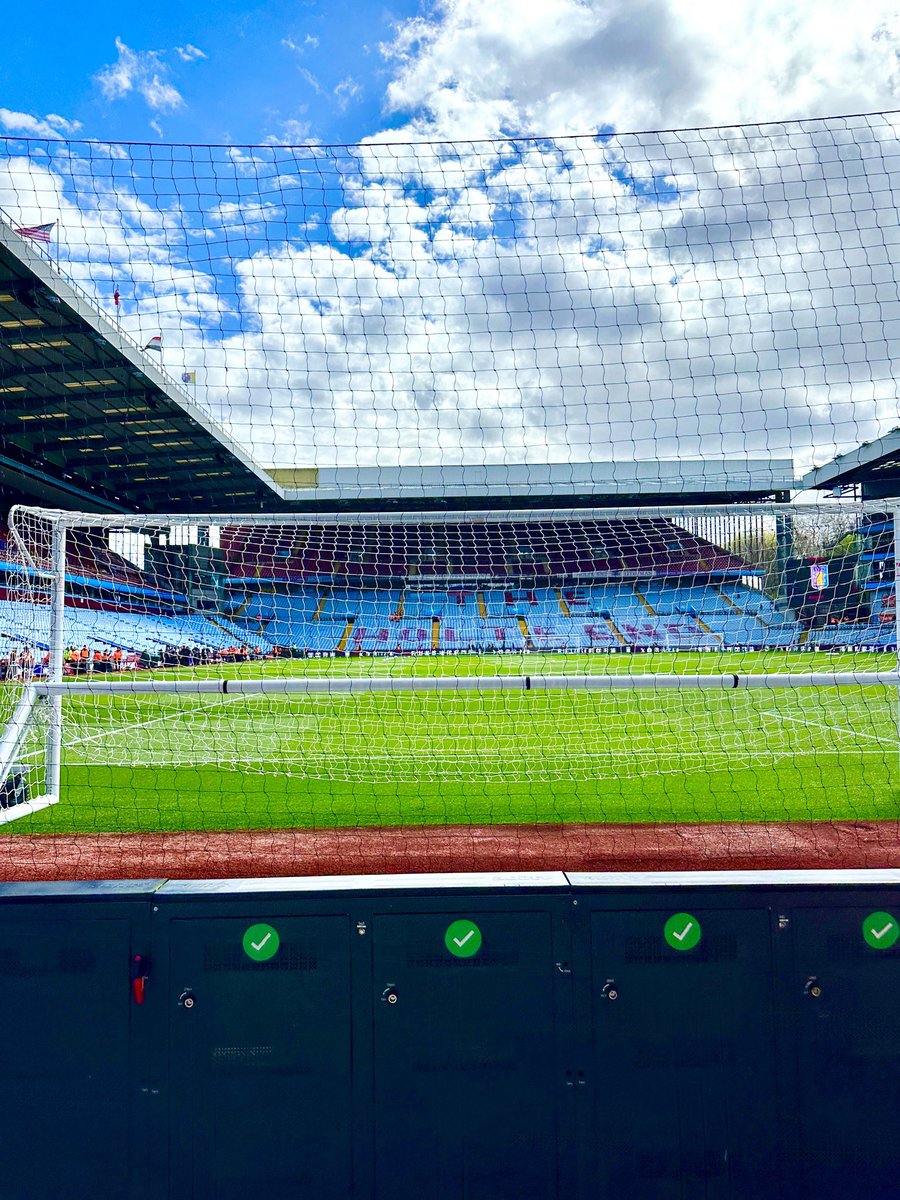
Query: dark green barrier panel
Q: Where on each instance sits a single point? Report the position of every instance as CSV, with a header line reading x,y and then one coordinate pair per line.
x,y
367,1037
71,1068
466,1083
466,1038
844,994
260,1050
681,1082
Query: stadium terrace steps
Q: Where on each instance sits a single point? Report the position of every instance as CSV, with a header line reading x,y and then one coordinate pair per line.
x,y
345,637
728,600
646,603
617,633
523,625
543,547
706,629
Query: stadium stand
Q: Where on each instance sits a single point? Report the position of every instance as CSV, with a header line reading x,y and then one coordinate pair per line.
x,y
606,586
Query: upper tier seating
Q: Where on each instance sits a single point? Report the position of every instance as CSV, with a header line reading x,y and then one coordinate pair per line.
x,y
500,550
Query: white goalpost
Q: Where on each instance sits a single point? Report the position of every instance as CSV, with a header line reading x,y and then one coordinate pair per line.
x,y
518,646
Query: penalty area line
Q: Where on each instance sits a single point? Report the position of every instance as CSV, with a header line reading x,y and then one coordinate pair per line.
x,y
121,730
872,737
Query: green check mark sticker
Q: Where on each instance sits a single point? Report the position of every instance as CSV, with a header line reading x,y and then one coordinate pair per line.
x,y
463,939
880,929
261,942
682,931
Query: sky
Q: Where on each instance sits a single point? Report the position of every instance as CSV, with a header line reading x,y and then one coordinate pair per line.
x,y
201,72
435,295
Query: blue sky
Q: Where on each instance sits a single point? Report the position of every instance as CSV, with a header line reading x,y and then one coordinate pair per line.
x,y
341,70
428,297
268,70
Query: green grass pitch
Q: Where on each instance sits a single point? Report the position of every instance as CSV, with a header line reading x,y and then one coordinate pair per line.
x,y
144,762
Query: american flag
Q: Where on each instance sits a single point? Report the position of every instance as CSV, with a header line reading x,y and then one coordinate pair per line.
x,y
37,233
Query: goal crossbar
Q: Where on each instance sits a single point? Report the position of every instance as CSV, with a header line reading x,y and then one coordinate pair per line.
x,y
726,681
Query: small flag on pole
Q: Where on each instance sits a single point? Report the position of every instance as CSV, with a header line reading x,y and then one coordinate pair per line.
x,y
189,377
155,343
116,297
37,233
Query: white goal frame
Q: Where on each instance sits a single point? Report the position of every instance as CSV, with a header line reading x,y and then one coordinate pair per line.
x,y
52,690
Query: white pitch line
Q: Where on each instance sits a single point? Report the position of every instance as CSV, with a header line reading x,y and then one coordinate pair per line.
x,y
119,730
883,741
272,763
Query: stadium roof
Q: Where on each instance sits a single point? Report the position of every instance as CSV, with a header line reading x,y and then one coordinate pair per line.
x,y
89,421
875,466
622,482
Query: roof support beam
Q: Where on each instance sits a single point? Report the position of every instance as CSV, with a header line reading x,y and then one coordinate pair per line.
x,y
37,333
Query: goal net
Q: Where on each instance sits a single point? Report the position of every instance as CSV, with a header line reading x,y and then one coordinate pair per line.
x,y
192,672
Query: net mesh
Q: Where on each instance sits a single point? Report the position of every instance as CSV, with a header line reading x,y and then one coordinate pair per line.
x,y
186,643
614,297
612,319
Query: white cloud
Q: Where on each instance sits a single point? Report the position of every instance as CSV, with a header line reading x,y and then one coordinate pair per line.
x,y
51,126
230,214
312,81
555,66
141,71
309,42
346,92
723,293
189,53
292,132
716,292
62,124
